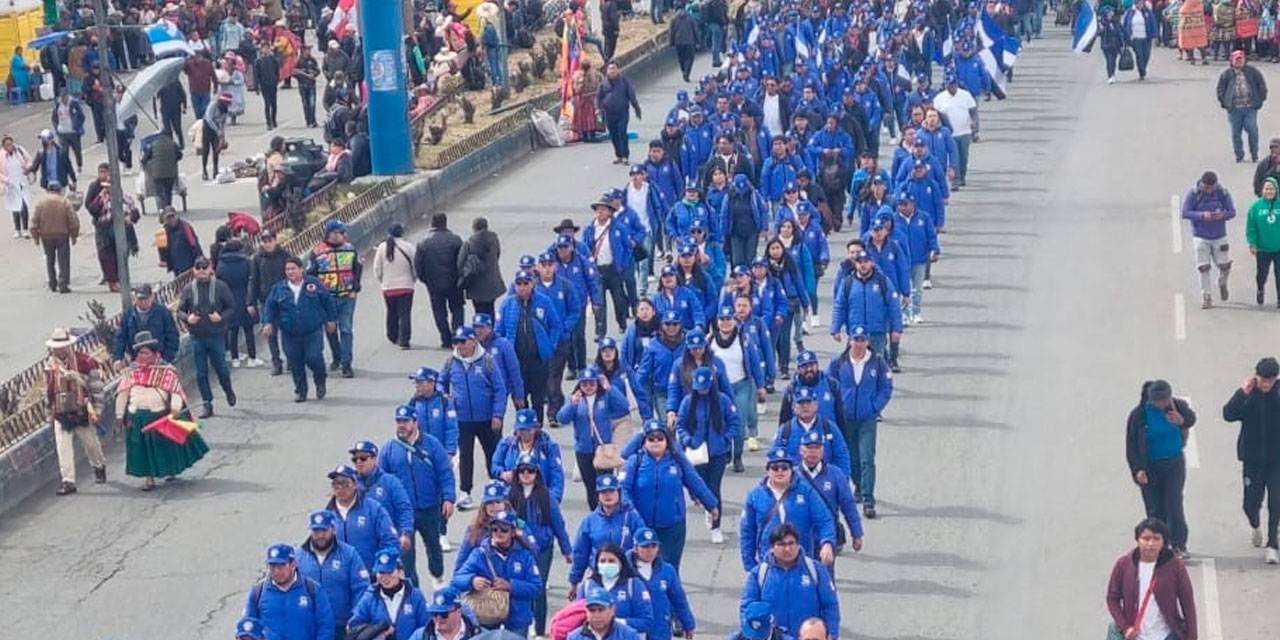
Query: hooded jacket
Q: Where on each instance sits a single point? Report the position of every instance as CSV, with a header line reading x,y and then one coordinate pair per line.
x,y
693,426
518,566
476,384
656,487
1172,593
387,489
1262,228
804,509
799,592
1197,204
367,527
545,452
423,470
437,417
1259,416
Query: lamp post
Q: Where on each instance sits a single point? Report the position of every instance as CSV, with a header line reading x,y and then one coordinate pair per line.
x,y
113,154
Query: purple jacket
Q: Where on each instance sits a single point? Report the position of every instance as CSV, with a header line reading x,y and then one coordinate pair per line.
x,y
1197,203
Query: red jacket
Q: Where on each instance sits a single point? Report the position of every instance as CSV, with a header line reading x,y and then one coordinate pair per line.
x,y
84,364
1172,593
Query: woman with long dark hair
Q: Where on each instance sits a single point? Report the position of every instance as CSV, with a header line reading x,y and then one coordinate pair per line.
x,y
708,418
657,476
614,574
394,267
680,382
533,503
646,327
495,501
615,374
782,267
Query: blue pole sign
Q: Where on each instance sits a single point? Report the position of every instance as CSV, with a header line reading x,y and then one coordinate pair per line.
x,y
382,29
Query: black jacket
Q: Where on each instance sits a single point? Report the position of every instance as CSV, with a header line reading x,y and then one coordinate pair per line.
x,y
1259,416
1267,168
435,260
1257,87
266,270
478,272
610,19
172,98
683,32
266,70
715,12
1136,432
220,301
235,270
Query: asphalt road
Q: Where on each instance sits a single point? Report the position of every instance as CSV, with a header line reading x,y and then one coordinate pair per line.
x,y
1003,490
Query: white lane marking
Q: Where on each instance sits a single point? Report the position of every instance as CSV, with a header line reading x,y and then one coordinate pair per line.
x,y
1175,220
1192,451
1212,609
1179,316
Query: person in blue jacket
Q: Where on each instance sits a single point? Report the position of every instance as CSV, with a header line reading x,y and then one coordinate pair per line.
x,y
477,384
699,140
592,412
832,141
570,303
450,620
666,349
700,267
613,374
920,151
810,376
601,623
615,521
682,214
797,587
390,586
807,419
144,316
419,460
387,489
809,228
654,481
573,261
334,565
816,531
530,440
434,410
928,194
666,592
871,105
942,144
362,522
680,381
674,296
806,266
504,562
613,261
867,299
863,399
530,324
745,215
248,628
779,170
835,488
299,319
540,513
665,176
923,249
708,418
757,329
633,604
291,606
502,347
777,272
493,501
646,328
868,170
889,256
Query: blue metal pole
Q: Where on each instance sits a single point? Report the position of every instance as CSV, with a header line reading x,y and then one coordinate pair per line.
x,y
382,30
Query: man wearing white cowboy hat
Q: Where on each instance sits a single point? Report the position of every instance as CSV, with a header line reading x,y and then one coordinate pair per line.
x,y
73,396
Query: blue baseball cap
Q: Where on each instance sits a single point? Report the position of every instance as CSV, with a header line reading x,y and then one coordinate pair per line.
x,y
812,438
597,596
637,169
386,560
607,342
757,620
790,187
363,446
670,270
702,379
334,225
805,208
725,312
527,461
607,482
682,96
779,454
805,394
405,412
741,270
481,320
546,257
688,249
463,334
691,184
526,419
322,520
759,261
859,332
920,142
697,224
695,339
343,471
672,121
670,316
645,537
443,601
806,357
527,262
251,628
920,163
280,553
425,374
877,179
523,276
905,197
504,517
589,374
564,240
860,256
495,491
652,426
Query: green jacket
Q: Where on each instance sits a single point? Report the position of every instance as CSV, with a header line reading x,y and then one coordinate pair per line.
x,y
1262,229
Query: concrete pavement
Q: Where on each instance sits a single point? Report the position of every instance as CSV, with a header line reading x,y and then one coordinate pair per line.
x,y
1003,490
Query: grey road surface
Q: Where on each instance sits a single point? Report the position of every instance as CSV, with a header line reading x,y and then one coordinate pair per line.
x,y
1003,490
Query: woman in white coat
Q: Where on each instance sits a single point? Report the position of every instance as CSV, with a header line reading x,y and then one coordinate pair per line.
x,y
393,265
15,184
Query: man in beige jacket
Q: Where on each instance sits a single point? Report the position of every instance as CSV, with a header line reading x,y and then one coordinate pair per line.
x,y
55,227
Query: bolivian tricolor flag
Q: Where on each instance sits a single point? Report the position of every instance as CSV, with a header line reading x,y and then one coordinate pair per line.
x,y
176,431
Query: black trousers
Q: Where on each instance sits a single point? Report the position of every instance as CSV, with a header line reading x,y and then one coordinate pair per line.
x,y
399,314
72,141
1262,480
617,124
448,308
99,122
610,44
57,252
468,433
685,54
588,472
534,372
269,103
124,145
555,379
164,191
611,283
1268,261
483,306
1162,496
250,341
22,218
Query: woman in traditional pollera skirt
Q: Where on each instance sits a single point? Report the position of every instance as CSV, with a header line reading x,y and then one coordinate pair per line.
x,y
151,389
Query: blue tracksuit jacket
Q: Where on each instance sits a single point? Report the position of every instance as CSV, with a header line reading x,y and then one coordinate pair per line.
x,y
390,493
622,240
547,325
681,218
622,379
804,510
668,180
546,529
568,302
835,487
342,575
922,237
478,387
304,317
872,303
699,141
667,598
776,174
835,451
655,488
598,529
413,614
581,274
677,389
928,199
799,592
437,417
892,261
504,355
609,406
300,612
865,399
942,145
422,467
545,452
685,300
693,424
655,365
367,527
518,566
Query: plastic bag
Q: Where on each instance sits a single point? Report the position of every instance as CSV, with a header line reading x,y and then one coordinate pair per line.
x,y
547,128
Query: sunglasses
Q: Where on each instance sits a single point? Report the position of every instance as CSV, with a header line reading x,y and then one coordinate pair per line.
x,y
500,528
779,466
655,437
361,458
529,470
340,483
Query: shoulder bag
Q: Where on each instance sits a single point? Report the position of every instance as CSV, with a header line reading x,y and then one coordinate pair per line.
x,y
490,606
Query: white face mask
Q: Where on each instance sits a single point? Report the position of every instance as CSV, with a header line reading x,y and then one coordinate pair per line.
x,y
609,571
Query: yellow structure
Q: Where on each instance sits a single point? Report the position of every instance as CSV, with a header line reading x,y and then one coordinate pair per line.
x,y
18,24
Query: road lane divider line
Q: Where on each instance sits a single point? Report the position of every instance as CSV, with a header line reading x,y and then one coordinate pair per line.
x,y
1179,316
1212,608
1175,221
1192,450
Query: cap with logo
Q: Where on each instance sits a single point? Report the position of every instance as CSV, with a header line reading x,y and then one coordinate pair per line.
x,y
387,560
363,446
645,537
425,374
805,394
526,419
322,520
343,471
463,334
806,357
607,482
695,339
280,553
405,412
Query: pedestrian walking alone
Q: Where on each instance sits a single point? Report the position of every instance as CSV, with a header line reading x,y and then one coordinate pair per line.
x,y
1149,594
1208,206
1262,232
298,307
1241,91
15,185
1256,406
207,305
1156,434
393,265
1140,29
617,98
55,227
336,264
684,37
436,264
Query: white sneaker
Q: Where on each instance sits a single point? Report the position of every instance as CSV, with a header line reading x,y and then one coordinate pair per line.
x,y
464,501
235,363
753,444
653,279
706,517
928,284
815,321
1273,557
761,408
1111,80
17,234
26,234
445,546
437,584
229,358
918,319
1256,538
254,363
577,474
717,537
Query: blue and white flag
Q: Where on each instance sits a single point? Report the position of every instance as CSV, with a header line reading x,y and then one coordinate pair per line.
x,y
753,31
995,60
167,40
942,53
1085,29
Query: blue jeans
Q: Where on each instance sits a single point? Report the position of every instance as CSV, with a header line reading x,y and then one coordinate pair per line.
x,y
962,155
545,556
861,438
1141,54
655,14
917,284
304,352
340,343
308,95
790,324
744,395
427,523
672,541
206,350
644,268
494,58
717,43
199,102
1246,120
742,249
712,473
878,340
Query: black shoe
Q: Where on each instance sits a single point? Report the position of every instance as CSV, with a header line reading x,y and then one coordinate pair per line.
x,y
62,288
54,289
320,391
276,368
206,410
573,375
347,372
1261,298
770,389
231,398
100,475
299,397
66,488
335,365
553,424
893,366
737,466
869,512
1222,291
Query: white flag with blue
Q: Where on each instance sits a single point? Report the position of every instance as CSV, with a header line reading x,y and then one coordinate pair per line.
x,y
994,53
167,40
1085,29
942,53
753,31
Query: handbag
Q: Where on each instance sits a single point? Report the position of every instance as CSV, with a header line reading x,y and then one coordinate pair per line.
x,y
698,455
490,606
608,455
1125,63
1116,633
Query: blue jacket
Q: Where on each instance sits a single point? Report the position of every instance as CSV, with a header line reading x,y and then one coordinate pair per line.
x,y
790,285
655,365
815,240
598,529
478,388
581,274
304,317
861,177
699,141
367,527
609,406
518,566
568,302
693,425
546,529
633,605
624,380
928,199
752,359
825,140
971,73
422,467
775,175
343,576
1147,15
862,400
762,341
803,591
804,510
655,488
685,300
871,104
937,172
623,238
759,212
892,261
437,416
547,324
159,322
872,303
300,613
922,237
702,282
413,614
618,632
470,543
834,452
667,599
503,351
633,347
545,452
676,385
390,493
681,218
668,180
803,259
942,146
833,484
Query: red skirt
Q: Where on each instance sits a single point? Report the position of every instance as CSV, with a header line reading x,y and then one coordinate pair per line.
x,y
584,114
